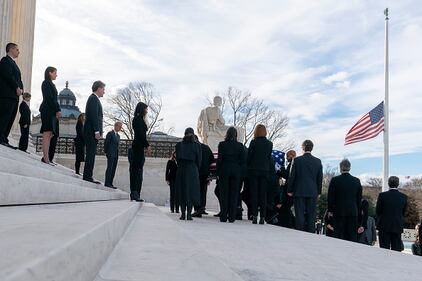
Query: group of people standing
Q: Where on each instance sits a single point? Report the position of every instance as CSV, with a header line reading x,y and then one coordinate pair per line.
x,y
89,128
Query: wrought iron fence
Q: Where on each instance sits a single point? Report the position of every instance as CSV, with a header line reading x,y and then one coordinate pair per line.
x,y
66,145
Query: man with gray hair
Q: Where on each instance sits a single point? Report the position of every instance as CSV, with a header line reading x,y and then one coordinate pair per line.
x,y
344,201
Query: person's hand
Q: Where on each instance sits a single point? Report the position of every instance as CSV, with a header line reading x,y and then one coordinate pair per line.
x,y
25,126
58,115
278,206
19,91
97,136
290,194
168,182
361,230
330,227
330,214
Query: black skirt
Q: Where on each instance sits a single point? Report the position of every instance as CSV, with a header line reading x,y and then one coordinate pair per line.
x,y
49,123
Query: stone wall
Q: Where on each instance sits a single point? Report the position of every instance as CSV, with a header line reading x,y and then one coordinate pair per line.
x,y
154,188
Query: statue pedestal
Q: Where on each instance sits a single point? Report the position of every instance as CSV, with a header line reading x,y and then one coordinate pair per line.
x,y
213,140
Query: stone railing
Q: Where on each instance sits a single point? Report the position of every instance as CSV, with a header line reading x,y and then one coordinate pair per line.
x,y
66,145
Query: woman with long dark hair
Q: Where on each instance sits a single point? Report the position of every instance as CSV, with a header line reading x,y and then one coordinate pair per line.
x,y
79,143
259,159
189,157
139,143
229,164
50,111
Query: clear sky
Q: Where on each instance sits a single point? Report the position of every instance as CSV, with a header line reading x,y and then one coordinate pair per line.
x,y
320,62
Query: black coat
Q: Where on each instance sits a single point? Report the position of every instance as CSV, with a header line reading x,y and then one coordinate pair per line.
x,y
80,142
25,113
207,160
391,208
344,195
171,170
230,158
93,117
49,105
10,78
111,144
140,129
189,158
259,156
305,179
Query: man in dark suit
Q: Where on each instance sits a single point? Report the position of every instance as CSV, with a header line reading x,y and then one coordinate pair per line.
x,y
11,87
305,184
24,121
93,128
344,200
285,217
391,208
204,172
111,149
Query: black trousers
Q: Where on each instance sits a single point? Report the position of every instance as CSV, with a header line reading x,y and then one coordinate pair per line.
x,y
229,193
8,110
23,141
136,171
173,206
91,150
345,227
390,240
111,170
203,188
305,213
259,186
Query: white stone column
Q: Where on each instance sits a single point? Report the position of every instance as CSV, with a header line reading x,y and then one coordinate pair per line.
x,y
17,23
5,24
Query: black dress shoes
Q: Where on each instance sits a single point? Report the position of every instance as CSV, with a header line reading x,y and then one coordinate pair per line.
x,y
139,200
261,221
183,217
189,217
197,215
254,220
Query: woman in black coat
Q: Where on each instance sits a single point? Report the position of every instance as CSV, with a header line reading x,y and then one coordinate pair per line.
x,y
258,161
189,157
50,111
79,143
140,128
171,170
229,171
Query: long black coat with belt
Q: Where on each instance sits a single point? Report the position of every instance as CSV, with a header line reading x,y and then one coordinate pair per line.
x,y
189,158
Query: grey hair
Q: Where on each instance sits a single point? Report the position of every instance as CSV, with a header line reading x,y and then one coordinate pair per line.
x,y
345,165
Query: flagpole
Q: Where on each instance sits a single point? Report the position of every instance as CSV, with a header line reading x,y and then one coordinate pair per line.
x,y
386,116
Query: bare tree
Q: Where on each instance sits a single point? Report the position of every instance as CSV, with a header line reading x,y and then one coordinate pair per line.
x,y
414,183
123,104
375,183
243,110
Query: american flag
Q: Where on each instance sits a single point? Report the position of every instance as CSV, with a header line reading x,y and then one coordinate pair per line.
x,y
369,126
278,157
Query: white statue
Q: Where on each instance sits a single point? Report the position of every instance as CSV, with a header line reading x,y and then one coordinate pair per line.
x,y
211,125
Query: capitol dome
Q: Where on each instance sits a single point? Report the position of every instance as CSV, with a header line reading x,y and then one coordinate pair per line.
x,y
67,101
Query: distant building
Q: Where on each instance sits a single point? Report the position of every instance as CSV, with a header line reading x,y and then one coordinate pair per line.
x,y
70,113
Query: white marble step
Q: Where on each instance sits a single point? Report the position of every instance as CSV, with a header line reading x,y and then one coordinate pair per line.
x,y
44,171
18,190
31,158
155,248
266,252
60,242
